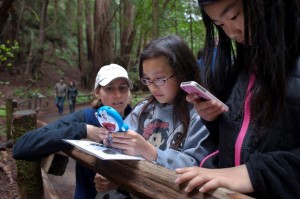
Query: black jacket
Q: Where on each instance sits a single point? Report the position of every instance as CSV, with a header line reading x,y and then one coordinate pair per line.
x,y
273,161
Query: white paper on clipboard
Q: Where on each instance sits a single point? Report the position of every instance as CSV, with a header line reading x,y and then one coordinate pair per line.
x,y
101,151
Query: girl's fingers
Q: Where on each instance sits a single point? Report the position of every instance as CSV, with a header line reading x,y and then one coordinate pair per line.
x,y
119,145
184,170
210,185
186,174
119,135
121,140
192,97
106,142
195,182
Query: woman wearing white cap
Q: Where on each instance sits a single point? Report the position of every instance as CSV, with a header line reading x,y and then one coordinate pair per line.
x,y
112,88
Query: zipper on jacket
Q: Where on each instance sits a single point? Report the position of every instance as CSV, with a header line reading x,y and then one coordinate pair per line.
x,y
245,123
207,157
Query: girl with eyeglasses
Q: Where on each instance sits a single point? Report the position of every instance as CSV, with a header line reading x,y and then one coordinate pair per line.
x,y
164,128
158,132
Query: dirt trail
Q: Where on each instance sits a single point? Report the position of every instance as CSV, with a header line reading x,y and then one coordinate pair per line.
x,y
52,114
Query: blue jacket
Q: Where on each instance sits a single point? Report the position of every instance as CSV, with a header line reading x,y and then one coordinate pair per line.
x,y
46,140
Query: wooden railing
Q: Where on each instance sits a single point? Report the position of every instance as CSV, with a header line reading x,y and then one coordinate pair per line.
x,y
145,179
89,96
142,178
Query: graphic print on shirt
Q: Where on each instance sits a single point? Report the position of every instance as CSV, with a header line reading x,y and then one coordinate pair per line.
x,y
156,132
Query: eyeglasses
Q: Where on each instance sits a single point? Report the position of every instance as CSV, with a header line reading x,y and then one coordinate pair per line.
x,y
157,82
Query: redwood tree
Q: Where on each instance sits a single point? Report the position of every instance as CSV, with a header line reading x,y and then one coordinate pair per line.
x,y
127,32
103,43
36,58
81,58
4,10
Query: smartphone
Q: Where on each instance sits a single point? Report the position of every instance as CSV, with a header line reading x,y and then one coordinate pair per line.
x,y
194,87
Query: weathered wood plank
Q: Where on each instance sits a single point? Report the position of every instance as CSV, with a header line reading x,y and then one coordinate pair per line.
x,y
49,190
9,108
145,179
46,162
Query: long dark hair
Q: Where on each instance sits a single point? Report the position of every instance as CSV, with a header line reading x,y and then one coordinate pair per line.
x,y
180,57
273,53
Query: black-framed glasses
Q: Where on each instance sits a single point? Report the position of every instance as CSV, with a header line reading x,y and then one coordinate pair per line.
x,y
157,82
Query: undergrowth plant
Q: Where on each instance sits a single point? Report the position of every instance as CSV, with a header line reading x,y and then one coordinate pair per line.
x,y
8,51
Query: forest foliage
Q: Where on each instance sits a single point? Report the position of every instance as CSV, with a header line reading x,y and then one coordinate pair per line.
x,y
88,34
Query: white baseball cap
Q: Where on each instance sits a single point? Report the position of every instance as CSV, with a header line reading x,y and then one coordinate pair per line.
x,y
110,72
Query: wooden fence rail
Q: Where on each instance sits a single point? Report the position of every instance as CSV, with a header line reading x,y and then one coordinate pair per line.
x,y
145,179
142,178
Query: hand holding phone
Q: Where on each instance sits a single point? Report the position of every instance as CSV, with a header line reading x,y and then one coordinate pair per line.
x,y
194,87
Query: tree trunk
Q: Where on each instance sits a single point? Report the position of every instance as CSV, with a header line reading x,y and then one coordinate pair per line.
x,y
127,32
82,59
89,29
69,9
38,54
155,18
80,34
103,52
4,10
89,43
